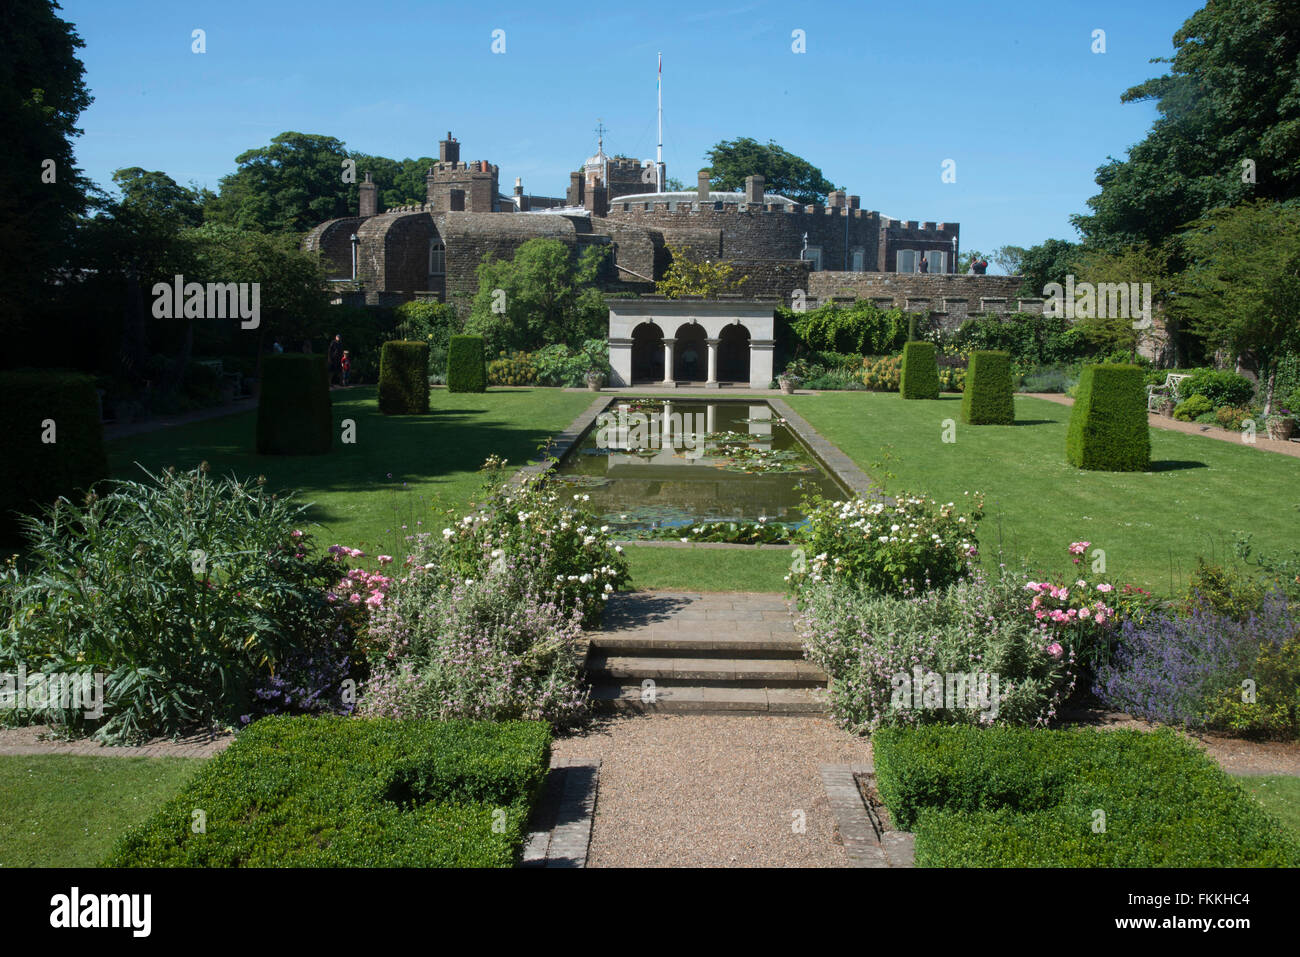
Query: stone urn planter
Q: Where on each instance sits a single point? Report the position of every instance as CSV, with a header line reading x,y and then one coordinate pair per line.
x,y
788,384
1166,408
595,380
1280,427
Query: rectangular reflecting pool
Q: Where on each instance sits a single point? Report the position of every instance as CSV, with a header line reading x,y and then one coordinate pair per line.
x,y
651,464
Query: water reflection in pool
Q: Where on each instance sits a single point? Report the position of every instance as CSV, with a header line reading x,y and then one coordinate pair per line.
x,y
651,464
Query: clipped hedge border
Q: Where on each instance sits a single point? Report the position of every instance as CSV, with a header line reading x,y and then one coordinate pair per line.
x,y
466,368
353,792
404,378
34,473
1027,797
1108,429
919,378
294,409
988,397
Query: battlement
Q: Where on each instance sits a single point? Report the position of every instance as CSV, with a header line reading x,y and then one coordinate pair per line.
x,y
477,166
915,226
689,207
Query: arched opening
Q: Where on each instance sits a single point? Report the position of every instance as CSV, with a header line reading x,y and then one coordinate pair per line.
x,y
647,353
691,355
733,354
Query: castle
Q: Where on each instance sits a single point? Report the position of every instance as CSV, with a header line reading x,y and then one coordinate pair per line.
x,y
839,249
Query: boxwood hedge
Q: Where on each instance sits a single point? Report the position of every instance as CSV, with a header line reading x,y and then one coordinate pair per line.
x,y
353,792
294,413
404,378
987,397
466,368
1108,429
1028,797
919,378
40,404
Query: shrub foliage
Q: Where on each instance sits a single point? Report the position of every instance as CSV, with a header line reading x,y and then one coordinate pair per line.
x,y
294,414
987,398
919,378
466,369
404,378
1108,429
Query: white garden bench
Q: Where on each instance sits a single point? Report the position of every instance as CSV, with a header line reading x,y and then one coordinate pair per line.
x,y
1168,390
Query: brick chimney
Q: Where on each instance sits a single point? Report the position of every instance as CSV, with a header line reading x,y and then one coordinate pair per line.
x,y
448,150
855,202
836,197
702,185
595,201
369,198
573,196
754,190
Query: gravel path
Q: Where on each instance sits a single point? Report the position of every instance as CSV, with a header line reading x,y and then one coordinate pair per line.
x,y
35,739
712,790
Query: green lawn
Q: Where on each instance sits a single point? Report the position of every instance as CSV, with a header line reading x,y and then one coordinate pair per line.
x,y
400,470
66,811
708,569
1280,795
1152,525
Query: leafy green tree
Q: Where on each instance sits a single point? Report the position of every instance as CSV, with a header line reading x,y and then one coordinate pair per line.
x,y
674,185
1242,293
1232,95
291,185
1132,264
42,93
1049,261
688,275
968,256
1009,258
784,173
540,297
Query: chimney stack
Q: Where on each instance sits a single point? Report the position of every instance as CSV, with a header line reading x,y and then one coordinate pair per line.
x,y
754,190
702,186
836,198
369,198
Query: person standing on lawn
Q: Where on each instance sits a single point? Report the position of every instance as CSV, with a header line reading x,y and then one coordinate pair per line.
x,y
346,365
336,359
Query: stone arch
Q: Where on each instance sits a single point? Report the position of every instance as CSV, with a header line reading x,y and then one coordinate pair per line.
x,y
647,353
690,353
733,353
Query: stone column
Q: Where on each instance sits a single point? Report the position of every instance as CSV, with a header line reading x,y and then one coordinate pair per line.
x,y
760,363
712,382
669,382
620,361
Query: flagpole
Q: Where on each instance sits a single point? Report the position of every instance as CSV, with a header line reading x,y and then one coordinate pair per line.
x,y
659,151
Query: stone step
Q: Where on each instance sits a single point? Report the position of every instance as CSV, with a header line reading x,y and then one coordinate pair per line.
x,y
695,699
668,643
741,672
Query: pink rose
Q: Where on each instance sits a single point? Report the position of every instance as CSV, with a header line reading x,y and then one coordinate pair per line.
x,y
1055,649
1105,588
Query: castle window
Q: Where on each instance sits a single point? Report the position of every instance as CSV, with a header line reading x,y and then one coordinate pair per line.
x,y
859,259
437,259
906,261
937,260
814,255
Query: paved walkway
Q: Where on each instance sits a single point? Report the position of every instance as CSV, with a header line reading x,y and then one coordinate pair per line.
x,y
33,740
1192,428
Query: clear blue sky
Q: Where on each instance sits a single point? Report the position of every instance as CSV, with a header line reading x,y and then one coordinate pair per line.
x,y
884,94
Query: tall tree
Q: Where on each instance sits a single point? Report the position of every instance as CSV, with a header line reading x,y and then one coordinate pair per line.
x,y
791,176
42,93
1049,261
1243,291
291,185
1228,129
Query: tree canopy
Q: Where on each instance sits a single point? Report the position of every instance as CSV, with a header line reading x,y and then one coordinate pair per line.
x,y
791,176
1228,129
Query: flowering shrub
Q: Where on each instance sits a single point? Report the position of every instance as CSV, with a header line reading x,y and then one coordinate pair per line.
x,y
864,641
489,648
886,546
546,534
1174,667
189,594
881,374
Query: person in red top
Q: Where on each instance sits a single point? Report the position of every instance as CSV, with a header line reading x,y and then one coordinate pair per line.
x,y
346,364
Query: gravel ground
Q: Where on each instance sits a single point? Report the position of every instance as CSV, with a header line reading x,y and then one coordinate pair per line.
x,y
712,790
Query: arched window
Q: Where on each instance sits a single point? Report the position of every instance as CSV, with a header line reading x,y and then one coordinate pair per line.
x,y
437,259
